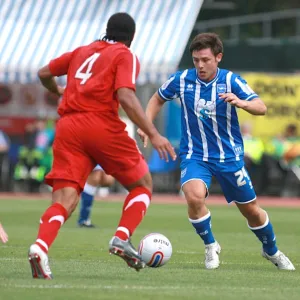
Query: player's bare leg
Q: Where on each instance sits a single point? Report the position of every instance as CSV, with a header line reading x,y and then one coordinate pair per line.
x,y
195,192
3,234
64,202
260,225
134,209
98,178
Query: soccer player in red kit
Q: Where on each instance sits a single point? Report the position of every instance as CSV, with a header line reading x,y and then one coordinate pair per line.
x,y
100,76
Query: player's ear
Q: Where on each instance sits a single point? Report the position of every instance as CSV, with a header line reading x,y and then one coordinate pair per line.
x,y
219,57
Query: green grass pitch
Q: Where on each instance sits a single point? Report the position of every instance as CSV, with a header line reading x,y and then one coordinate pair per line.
x,y
83,269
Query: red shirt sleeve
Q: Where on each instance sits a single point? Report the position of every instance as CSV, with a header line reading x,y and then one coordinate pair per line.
x,y
128,68
59,66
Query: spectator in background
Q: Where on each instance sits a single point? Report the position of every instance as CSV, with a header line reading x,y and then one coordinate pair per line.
x,y
4,148
253,154
253,146
35,156
292,146
4,142
286,148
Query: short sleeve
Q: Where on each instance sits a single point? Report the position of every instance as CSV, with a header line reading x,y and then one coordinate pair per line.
x,y
127,70
168,91
241,89
60,66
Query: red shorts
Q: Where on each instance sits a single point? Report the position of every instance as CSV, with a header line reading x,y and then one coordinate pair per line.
x,y
83,140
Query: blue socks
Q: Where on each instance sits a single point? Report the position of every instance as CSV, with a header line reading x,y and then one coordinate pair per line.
x,y
87,199
266,235
203,228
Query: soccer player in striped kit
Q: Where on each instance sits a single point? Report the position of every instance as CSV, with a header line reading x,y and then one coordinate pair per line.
x,y
212,145
98,178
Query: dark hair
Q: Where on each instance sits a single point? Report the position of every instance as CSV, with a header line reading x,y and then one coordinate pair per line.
x,y
207,40
120,27
292,128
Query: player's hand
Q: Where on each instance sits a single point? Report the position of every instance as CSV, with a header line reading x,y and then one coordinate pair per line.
x,y
163,147
232,99
143,137
3,235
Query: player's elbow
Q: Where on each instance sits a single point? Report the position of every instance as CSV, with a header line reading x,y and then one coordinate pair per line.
x,y
259,107
263,109
44,73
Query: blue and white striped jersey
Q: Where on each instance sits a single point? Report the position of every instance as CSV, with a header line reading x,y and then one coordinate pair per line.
x,y
210,127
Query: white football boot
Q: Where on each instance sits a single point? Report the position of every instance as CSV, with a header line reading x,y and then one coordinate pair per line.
x,y
212,260
279,260
39,263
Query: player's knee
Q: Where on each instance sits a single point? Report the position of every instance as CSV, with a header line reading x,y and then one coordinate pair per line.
x,y
107,180
95,178
145,182
252,212
67,194
195,193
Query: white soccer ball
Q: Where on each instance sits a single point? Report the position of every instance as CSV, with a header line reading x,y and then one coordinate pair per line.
x,y
155,250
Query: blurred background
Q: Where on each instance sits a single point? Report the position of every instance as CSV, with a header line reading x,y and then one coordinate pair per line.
x,y
261,42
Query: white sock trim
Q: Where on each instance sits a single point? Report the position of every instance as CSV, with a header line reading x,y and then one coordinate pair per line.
x,y
61,219
201,219
140,198
42,243
90,189
125,230
261,226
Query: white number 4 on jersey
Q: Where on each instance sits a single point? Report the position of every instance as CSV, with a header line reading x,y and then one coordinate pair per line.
x,y
89,63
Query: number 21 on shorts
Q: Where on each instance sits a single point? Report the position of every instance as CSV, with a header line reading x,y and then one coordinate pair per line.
x,y
89,64
241,175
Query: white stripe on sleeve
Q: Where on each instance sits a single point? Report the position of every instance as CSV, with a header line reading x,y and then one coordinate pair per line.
x,y
133,68
243,86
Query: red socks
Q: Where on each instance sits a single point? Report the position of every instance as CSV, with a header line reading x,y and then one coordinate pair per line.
x,y
134,210
50,223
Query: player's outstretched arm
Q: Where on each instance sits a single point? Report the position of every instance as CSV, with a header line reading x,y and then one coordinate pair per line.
x,y
154,106
254,107
48,81
3,235
136,114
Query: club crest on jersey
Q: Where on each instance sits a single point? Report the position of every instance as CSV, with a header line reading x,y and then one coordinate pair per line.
x,y
221,88
204,109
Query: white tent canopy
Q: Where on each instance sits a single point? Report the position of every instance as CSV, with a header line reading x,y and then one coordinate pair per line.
x,y
35,31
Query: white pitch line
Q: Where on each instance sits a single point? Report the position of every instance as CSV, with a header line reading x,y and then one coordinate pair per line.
x,y
141,287
70,261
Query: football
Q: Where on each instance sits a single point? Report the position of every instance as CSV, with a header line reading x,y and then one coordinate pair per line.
x,y
155,250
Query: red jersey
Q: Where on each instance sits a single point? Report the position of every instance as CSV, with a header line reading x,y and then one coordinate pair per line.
x,y
94,73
